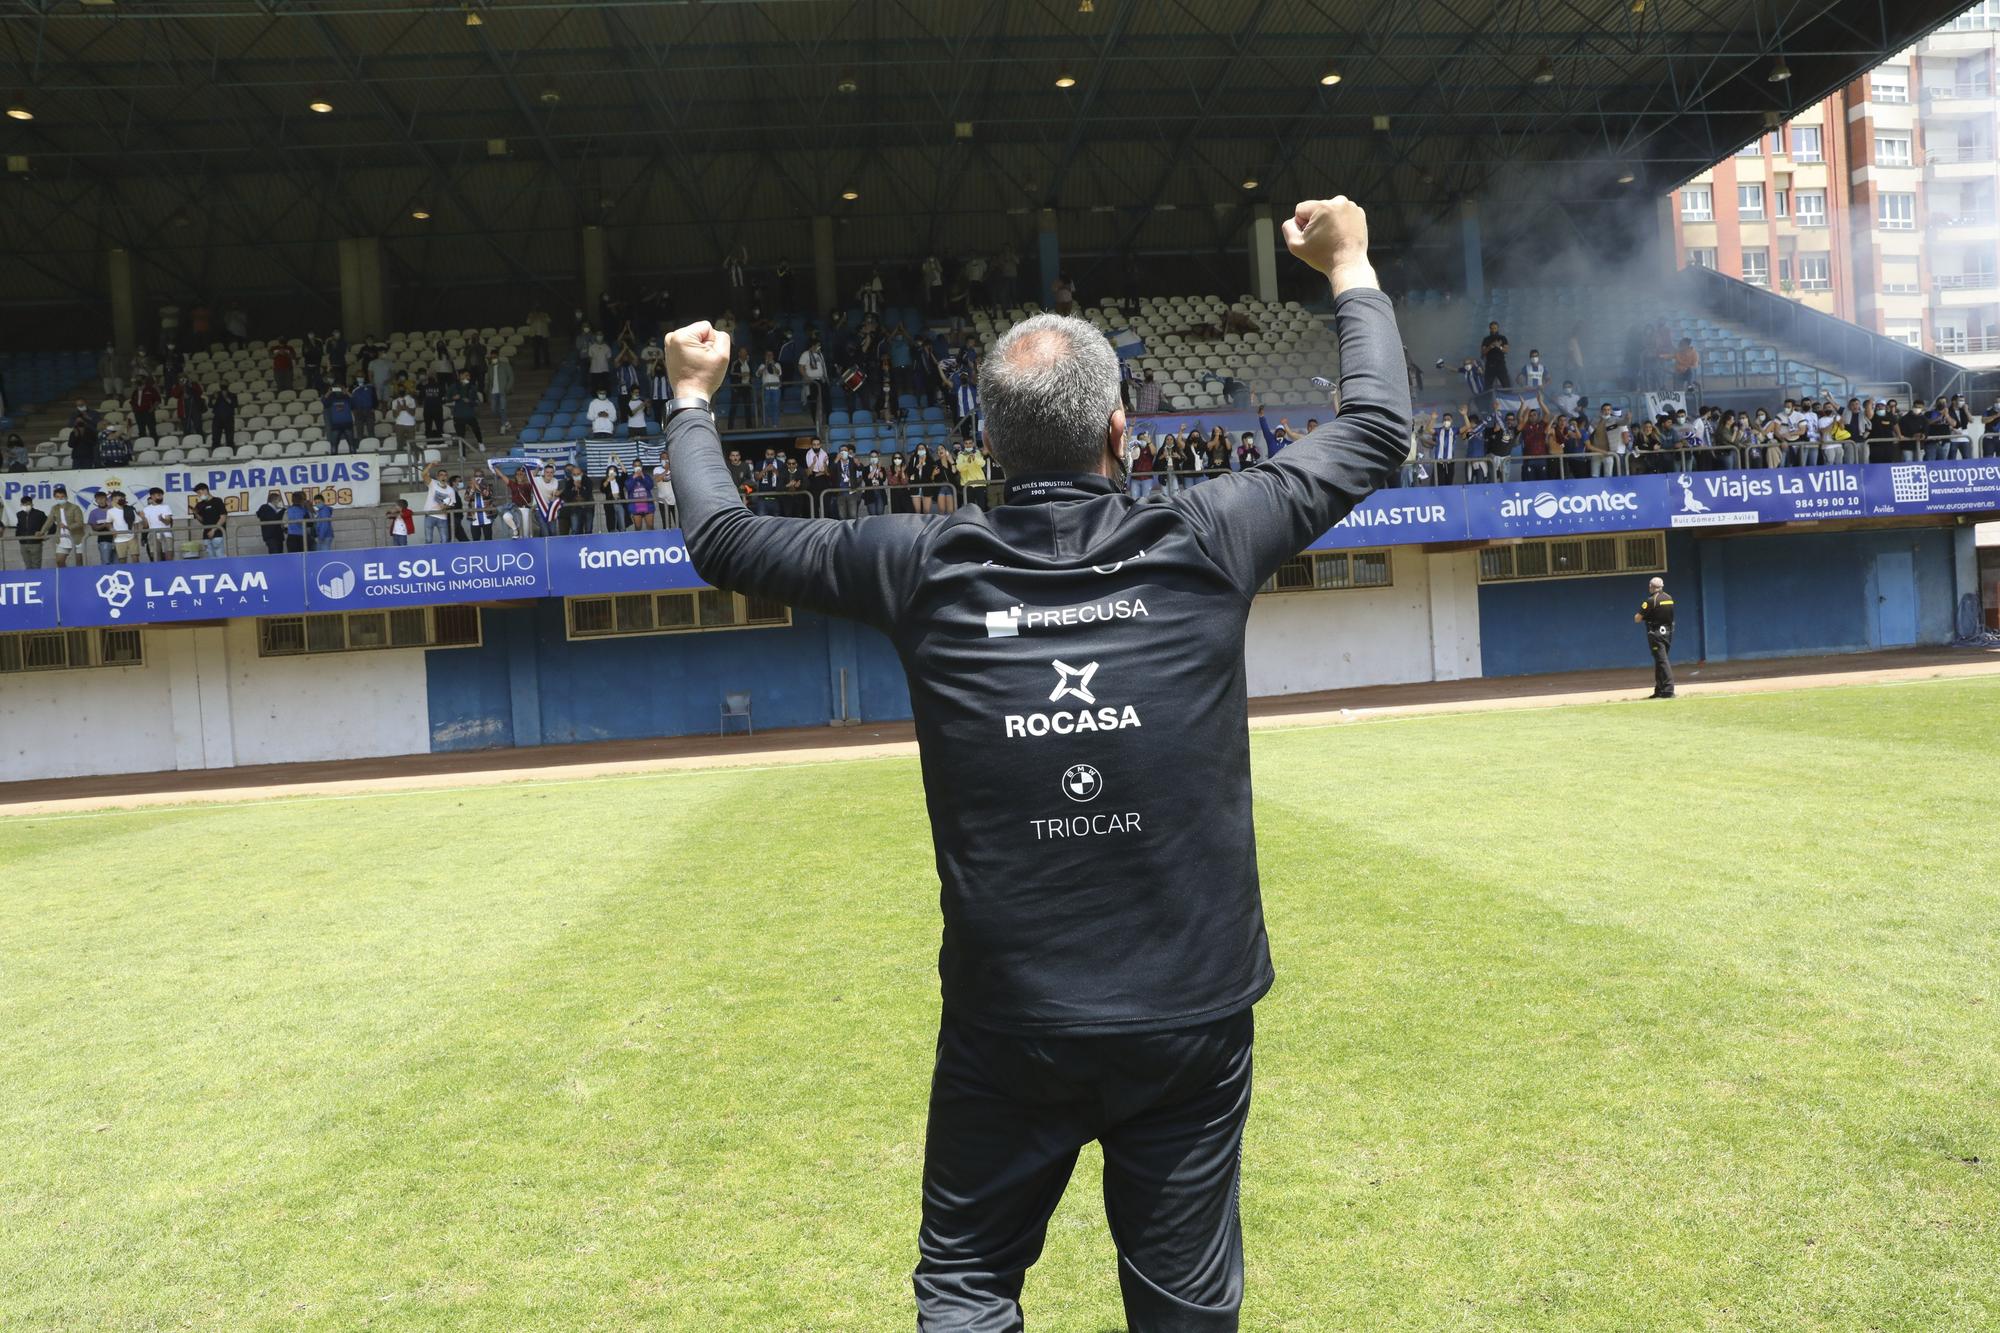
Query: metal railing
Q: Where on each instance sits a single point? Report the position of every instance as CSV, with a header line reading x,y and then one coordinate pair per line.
x,y
1965,281
1947,92
1967,344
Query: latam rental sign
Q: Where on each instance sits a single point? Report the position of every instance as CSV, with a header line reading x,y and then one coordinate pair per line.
x,y
181,590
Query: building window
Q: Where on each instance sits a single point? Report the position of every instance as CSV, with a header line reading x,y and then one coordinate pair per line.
x,y
1806,144
1785,272
1750,202
1815,273
1701,257
1809,206
1907,331
1982,17
1896,212
1324,571
1697,204
1889,83
360,631
1757,267
688,612
1755,148
1781,203
1892,148
1899,280
1574,558
71,649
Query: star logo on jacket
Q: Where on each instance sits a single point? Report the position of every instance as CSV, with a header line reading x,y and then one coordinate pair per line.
x,y
1073,682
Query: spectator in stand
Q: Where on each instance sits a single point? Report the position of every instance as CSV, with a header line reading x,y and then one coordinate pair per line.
x,y
439,499
1493,352
969,469
1910,431
768,481
579,502
338,410
271,522
635,415
1882,431
479,504
402,523
537,324
612,489
1535,446
639,495
222,424
794,501
335,352
323,529
382,374
499,385
17,453
869,295
602,414
1444,448
465,411
812,372
312,361
403,418
599,360
1687,364
298,524
739,387
66,526
362,399
1958,422
159,525
432,397
770,379
283,359
933,275
1534,373
548,500
111,371
1247,453
82,442
30,527
659,389
211,516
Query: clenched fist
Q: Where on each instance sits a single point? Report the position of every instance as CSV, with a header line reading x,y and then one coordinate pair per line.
x,y
1332,236
697,358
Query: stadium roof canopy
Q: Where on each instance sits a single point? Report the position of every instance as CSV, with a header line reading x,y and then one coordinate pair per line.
x,y
181,129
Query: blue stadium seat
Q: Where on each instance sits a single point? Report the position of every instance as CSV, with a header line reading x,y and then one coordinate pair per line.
x,y
836,418
531,435
862,416
932,414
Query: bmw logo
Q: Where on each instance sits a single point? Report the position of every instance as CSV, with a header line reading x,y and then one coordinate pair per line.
x,y
1081,782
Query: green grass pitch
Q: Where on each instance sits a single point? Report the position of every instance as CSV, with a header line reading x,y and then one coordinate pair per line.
x,y
1628,1017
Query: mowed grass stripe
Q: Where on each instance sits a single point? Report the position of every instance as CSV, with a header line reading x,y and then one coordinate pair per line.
x,y
1577,1027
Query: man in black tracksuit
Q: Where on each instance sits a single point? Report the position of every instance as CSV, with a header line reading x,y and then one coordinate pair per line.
x,y
1656,613
1075,660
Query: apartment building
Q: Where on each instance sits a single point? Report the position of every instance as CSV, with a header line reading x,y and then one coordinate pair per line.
x,y
1877,205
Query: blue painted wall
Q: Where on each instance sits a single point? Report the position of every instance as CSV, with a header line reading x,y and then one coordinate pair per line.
x,y
1784,595
528,684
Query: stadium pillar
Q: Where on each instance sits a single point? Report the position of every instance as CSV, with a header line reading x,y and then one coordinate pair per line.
x,y
1049,248
362,310
826,283
1263,254
1475,258
124,299
1663,237
596,268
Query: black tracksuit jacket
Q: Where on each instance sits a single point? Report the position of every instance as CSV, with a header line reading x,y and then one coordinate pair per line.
x,y
1075,663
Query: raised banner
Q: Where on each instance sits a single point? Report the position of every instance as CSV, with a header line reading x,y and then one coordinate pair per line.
x,y
27,599
345,480
264,585
610,562
427,575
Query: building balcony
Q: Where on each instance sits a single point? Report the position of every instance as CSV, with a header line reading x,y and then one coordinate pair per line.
x,y
1965,289
1958,343
1968,162
1959,99
1965,228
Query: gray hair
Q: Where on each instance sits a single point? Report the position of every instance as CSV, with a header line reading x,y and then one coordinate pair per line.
x,y
1048,389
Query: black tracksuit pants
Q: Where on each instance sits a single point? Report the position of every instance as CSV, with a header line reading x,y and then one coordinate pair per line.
x,y
1663,670
1008,1116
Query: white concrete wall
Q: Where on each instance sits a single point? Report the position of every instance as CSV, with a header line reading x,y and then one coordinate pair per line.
x,y
325,706
204,699
1423,627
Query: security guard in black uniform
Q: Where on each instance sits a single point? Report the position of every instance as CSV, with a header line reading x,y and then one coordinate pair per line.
x,y
1656,613
1075,659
